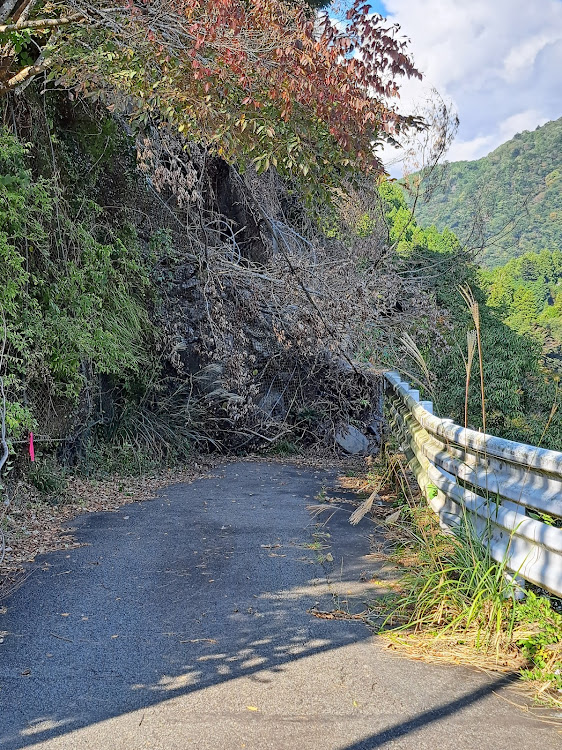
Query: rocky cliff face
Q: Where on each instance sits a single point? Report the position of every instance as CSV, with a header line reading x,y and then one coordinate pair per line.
x,y
254,311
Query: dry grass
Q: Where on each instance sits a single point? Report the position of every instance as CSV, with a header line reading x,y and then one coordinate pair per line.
x,y
439,648
455,605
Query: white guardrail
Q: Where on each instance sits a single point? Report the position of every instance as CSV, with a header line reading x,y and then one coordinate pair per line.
x,y
497,483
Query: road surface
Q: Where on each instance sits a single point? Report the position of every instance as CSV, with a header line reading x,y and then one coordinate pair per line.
x,y
183,623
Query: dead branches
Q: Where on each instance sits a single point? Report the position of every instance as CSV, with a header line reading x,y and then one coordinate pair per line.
x,y
41,23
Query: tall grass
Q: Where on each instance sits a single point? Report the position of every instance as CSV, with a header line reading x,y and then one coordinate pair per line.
x,y
472,305
454,593
471,348
457,604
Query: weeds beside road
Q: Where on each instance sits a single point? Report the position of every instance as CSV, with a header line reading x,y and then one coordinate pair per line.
x,y
455,603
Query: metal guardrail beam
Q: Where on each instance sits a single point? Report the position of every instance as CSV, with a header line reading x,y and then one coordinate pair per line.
x,y
527,456
494,482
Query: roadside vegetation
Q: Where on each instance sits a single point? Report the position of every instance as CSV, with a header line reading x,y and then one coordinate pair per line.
x,y
451,602
522,392
457,604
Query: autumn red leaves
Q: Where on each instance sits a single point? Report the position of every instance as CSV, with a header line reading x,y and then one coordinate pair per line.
x,y
266,82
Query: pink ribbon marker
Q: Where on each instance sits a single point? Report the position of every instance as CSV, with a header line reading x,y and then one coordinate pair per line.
x,y
31,448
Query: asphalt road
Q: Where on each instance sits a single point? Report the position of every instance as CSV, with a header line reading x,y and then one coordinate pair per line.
x,y
182,623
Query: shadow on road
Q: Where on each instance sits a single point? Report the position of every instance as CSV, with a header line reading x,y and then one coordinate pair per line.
x,y
208,584
438,713
169,597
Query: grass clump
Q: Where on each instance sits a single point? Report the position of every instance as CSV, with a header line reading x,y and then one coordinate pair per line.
x,y
50,479
457,604
285,448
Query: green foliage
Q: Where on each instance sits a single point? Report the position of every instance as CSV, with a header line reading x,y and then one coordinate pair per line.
x,y
103,459
407,234
365,226
527,293
285,448
455,586
165,422
519,395
516,190
542,644
73,291
511,368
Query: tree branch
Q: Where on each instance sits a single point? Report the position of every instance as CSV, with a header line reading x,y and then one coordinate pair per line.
x,y
25,73
41,23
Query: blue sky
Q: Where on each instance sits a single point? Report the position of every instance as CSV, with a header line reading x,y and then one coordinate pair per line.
x,y
379,7
498,61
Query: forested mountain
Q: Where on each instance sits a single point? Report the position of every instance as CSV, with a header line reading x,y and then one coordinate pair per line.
x,y
509,202
527,293
520,392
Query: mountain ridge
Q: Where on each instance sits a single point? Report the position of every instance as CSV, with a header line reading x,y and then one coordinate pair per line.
x,y
504,204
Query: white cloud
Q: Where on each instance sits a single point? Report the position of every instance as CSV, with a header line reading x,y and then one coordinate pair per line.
x,y
523,55
477,147
498,61
527,120
473,149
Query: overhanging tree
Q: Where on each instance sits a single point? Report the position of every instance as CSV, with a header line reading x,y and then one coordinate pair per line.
x,y
265,82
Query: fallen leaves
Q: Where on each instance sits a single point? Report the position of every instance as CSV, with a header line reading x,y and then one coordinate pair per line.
x,y
36,527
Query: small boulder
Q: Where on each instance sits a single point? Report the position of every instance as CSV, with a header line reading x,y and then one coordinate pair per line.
x,y
352,440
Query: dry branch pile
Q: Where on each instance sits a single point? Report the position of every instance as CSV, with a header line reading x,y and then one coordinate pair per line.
x,y
269,307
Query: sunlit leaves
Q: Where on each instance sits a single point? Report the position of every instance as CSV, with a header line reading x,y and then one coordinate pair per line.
x,y
261,81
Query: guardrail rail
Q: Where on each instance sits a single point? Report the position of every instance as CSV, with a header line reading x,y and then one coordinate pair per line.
x,y
511,492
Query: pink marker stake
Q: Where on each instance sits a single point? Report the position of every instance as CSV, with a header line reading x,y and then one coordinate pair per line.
x,y
31,448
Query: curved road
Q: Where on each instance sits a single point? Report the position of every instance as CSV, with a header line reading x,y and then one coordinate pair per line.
x,y
182,623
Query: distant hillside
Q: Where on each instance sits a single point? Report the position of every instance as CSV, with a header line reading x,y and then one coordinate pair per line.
x,y
512,197
527,294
